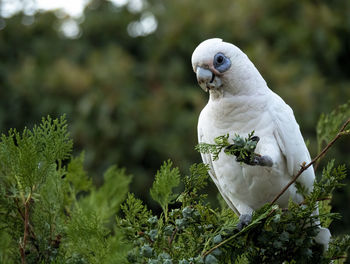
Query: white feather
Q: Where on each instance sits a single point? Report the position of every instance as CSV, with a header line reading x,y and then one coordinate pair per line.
x,y
245,103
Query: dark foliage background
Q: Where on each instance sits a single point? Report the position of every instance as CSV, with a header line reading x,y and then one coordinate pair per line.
x,y
133,100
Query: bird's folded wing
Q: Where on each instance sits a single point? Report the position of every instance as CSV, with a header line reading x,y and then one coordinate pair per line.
x,y
207,159
290,141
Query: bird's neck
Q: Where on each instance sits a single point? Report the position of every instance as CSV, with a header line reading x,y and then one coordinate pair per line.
x,y
216,94
248,88
240,112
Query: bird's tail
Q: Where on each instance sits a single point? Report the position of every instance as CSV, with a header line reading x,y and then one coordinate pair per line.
x,y
323,237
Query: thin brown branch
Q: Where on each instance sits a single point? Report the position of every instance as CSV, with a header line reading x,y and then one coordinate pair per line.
x,y
318,200
25,233
30,227
304,202
172,236
19,209
26,221
339,257
141,233
23,256
305,167
220,244
341,132
23,243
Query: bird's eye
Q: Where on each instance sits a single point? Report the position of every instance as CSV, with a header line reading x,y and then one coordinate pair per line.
x,y
219,59
221,62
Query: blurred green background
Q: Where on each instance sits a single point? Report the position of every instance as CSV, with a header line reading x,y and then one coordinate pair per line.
x,y
122,74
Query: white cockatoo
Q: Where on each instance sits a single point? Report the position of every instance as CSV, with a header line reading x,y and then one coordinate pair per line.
x,y
239,102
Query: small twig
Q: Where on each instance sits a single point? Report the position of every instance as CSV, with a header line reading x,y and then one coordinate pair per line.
x,y
220,244
19,209
339,257
304,202
23,256
172,236
141,233
256,222
305,167
25,233
318,200
30,227
341,132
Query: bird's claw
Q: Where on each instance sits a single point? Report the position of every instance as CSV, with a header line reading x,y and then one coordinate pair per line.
x,y
263,161
255,138
244,220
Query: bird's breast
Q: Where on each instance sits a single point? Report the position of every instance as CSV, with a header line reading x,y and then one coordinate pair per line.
x,y
251,185
254,185
239,113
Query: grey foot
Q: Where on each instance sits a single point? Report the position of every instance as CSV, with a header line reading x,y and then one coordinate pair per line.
x,y
244,220
255,138
263,161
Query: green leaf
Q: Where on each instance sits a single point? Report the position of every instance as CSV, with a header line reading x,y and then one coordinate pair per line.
x,y
87,237
77,176
136,216
242,148
329,124
166,179
26,159
105,201
197,179
330,180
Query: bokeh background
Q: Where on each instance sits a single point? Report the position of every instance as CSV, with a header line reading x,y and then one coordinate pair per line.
x,y
121,72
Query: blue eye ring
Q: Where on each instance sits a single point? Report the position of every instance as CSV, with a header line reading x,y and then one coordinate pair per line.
x,y
221,62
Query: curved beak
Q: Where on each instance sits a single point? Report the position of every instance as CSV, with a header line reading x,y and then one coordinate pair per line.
x,y
207,79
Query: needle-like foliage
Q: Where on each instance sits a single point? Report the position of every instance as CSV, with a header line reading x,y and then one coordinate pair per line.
x,y
242,148
50,212
166,179
328,125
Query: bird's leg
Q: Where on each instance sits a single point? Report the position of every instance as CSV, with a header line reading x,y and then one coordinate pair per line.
x,y
244,220
261,160
258,160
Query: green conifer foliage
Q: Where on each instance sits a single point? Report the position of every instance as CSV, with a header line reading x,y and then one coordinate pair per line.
x,y
50,212
166,179
193,232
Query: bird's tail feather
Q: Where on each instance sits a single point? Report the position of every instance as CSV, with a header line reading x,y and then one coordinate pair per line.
x,y
323,237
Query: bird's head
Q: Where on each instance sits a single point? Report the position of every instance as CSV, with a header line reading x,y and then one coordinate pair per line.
x,y
222,67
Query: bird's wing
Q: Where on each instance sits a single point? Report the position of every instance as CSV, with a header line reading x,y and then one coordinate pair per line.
x,y
290,141
207,159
